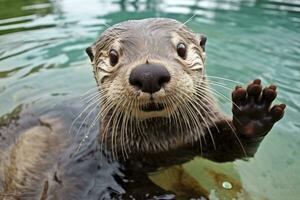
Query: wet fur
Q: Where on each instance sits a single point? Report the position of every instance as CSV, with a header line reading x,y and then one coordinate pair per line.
x,y
194,110
46,163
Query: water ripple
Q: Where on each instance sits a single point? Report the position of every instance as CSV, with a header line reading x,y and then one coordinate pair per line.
x,y
42,57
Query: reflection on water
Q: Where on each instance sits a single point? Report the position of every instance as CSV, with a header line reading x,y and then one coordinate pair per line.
x,y
43,42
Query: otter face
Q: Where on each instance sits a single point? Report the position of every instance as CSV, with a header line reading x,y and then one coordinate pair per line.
x,y
148,68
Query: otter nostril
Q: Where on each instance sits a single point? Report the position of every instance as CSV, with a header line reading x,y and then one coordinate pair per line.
x,y
149,77
164,79
136,83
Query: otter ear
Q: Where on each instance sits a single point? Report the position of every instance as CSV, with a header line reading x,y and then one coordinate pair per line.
x,y
90,53
202,43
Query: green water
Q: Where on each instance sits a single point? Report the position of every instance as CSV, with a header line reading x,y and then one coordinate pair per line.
x,y
42,61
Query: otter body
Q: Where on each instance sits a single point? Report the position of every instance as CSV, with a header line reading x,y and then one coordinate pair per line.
x,y
156,109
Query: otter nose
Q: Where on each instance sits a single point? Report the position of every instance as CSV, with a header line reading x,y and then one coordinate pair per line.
x,y
149,77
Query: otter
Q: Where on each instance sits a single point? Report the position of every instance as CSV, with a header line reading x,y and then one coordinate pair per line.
x,y
156,109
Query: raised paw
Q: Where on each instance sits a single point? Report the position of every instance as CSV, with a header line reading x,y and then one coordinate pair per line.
x,y
253,115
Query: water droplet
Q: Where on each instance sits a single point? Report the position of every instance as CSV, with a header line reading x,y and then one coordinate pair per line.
x,y
226,185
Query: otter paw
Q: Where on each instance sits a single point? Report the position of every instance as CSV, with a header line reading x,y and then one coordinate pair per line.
x,y
253,115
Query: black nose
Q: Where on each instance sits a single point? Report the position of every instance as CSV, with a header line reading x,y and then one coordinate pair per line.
x,y
149,77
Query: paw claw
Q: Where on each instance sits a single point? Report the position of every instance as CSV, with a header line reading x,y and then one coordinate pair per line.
x,y
238,87
277,112
282,106
269,94
254,91
273,87
257,81
239,95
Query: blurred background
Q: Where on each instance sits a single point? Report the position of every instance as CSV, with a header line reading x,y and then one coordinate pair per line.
x,y
42,62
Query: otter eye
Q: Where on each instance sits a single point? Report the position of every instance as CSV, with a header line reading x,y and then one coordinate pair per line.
x,y
181,50
113,57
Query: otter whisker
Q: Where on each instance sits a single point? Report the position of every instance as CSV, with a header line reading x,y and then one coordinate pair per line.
x,y
110,135
205,122
131,123
131,110
87,94
227,121
81,113
191,101
140,124
115,124
90,90
103,113
187,21
121,136
105,106
133,102
92,103
211,81
187,111
220,85
199,130
94,96
224,79
208,98
116,112
167,104
204,97
176,116
88,130
129,114
123,118
91,96
125,127
200,98
92,124
202,87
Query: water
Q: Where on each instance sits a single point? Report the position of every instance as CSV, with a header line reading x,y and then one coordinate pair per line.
x,y
42,62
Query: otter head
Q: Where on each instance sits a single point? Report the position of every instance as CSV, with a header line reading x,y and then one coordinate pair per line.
x,y
148,70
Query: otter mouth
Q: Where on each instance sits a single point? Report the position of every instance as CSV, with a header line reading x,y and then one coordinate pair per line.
x,y
150,107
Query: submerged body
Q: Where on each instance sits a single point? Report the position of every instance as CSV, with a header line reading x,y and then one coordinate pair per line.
x,y
156,109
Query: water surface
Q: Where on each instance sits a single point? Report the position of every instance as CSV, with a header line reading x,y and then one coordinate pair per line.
x,y
42,62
